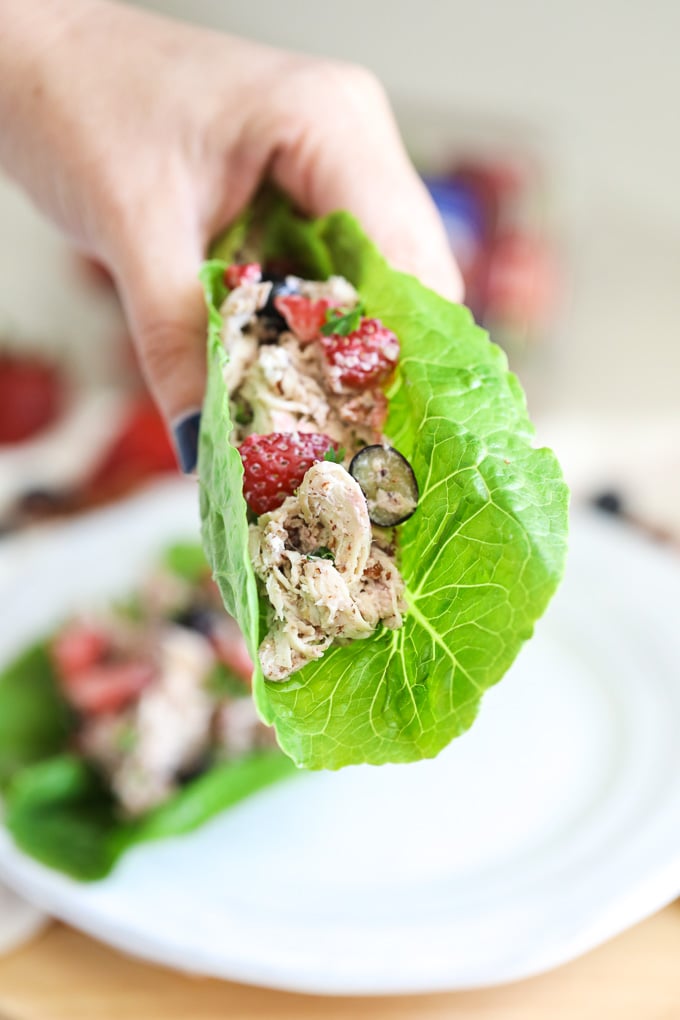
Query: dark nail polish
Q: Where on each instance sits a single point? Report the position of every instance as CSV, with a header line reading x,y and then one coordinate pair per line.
x,y
186,441
610,502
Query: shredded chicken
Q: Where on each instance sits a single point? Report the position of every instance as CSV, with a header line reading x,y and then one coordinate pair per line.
x,y
282,397
167,726
239,729
317,600
238,310
336,289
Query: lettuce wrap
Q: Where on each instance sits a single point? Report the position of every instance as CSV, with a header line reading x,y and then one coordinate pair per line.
x,y
481,557
57,805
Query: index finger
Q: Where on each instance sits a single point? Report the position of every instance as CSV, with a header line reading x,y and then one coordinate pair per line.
x,y
343,150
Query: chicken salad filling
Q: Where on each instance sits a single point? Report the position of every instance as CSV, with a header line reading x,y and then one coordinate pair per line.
x,y
306,374
160,685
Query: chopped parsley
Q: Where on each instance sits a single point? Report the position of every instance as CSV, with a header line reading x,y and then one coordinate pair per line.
x,y
322,553
340,322
334,456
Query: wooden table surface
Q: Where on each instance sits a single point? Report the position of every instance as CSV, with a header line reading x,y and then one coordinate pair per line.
x,y
65,976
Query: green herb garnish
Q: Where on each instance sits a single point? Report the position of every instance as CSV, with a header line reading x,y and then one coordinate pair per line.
x,y
322,553
335,456
340,322
243,412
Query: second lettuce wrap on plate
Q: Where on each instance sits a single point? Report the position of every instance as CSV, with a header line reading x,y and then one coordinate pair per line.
x,y
481,557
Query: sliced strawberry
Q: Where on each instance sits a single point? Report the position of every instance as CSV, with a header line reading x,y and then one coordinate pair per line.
x,y
362,359
274,465
108,688
240,273
78,647
304,317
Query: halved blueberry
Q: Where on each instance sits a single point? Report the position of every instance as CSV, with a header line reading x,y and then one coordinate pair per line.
x,y
387,481
271,322
198,618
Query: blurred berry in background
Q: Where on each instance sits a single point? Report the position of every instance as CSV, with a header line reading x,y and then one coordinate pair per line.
x,y
492,211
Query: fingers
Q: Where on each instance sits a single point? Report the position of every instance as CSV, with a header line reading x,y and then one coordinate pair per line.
x,y
326,135
342,150
157,276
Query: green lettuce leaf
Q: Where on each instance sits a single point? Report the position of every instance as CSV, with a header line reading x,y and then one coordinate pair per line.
x,y
35,722
61,813
186,560
481,557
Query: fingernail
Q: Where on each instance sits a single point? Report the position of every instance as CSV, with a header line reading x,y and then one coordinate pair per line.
x,y
185,431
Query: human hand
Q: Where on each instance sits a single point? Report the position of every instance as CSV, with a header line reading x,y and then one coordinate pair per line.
x,y
143,138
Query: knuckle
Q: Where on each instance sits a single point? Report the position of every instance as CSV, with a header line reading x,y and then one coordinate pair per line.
x,y
115,211
337,84
113,207
362,81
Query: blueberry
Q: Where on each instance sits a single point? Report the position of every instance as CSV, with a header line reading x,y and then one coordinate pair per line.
x,y
195,617
387,481
195,769
271,322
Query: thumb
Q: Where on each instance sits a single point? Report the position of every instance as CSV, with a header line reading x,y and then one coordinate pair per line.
x,y
163,301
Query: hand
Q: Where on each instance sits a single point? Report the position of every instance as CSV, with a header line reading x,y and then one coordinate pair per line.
x,y
144,137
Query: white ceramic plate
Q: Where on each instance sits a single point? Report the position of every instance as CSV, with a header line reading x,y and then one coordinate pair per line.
x,y
549,827
19,921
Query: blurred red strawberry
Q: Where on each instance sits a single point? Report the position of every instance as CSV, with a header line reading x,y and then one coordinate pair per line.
x,y
141,450
32,396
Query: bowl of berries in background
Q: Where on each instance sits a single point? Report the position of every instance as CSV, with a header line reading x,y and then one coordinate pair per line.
x,y
70,441
492,184
67,446
77,426
32,395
